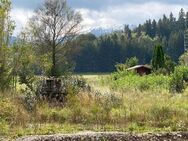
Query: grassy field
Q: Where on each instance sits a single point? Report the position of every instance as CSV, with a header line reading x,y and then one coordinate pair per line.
x,y
96,82
116,103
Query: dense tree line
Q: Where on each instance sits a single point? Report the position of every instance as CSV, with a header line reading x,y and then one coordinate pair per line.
x,y
100,54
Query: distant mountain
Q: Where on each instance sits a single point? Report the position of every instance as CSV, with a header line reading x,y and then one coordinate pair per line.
x,y
132,26
101,31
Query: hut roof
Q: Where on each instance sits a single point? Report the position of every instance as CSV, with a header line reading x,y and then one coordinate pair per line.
x,y
139,66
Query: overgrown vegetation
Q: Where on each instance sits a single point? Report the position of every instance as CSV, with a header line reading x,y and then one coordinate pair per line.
x,y
135,110
134,103
132,81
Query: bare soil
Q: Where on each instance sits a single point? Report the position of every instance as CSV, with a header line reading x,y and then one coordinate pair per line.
x,y
109,136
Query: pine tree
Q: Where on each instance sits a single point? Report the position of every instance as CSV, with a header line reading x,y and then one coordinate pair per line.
x,y
186,20
127,32
158,58
181,19
172,19
148,27
154,28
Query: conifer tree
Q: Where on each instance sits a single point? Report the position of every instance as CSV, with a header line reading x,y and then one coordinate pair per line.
x,y
181,19
186,19
158,58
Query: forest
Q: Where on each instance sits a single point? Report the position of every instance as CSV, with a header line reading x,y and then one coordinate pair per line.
x,y
101,54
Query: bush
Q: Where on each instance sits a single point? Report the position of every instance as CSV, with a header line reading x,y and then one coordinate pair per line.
x,y
161,113
120,67
5,79
179,79
4,127
130,62
143,86
57,89
12,112
29,100
7,109
131,81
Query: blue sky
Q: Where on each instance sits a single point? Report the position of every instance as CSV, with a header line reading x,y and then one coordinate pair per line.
x,y
104,13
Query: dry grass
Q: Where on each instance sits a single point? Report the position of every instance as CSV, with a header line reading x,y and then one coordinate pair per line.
x,y
96,82
131,110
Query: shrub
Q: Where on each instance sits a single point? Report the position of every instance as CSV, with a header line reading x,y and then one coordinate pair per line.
x,y
143,85
131,81
5,79
120,67
12,111
29,99
4,127
7,109
57,89
130,62
161,113
179,79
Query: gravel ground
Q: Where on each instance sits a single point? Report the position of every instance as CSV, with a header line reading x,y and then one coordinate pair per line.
x,y
109,136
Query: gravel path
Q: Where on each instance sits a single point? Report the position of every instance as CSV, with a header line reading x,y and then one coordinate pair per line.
x,y
109,136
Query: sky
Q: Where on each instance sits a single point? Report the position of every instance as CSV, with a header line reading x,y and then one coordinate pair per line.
x,y
104,13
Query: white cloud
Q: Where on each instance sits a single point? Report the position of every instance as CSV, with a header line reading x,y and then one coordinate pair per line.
x,y
111,16
132,14
20,16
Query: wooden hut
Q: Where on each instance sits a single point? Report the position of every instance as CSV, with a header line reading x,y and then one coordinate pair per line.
x,y
141,69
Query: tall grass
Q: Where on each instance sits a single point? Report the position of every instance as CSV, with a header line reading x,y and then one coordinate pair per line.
x,y
128,109
131,81
132,111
